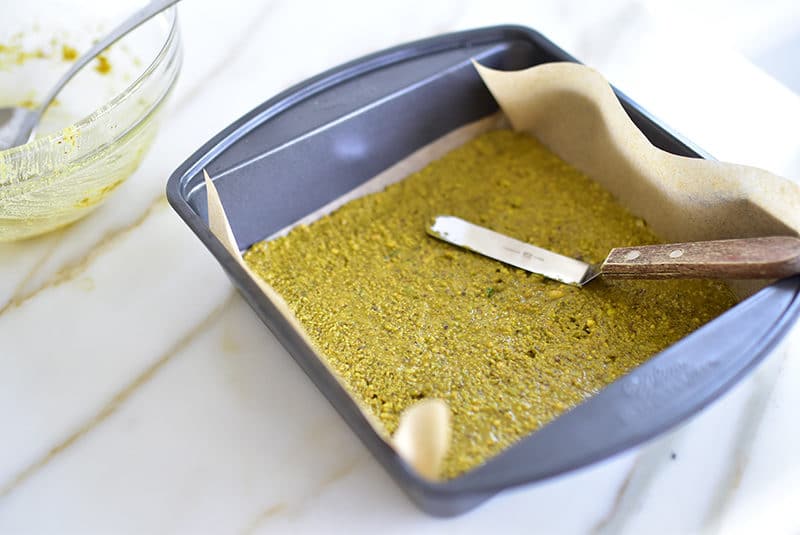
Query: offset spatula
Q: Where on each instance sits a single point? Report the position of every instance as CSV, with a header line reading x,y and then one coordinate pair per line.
x,y
772,257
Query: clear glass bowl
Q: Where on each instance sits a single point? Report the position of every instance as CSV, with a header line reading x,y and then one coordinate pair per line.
x,y
102,124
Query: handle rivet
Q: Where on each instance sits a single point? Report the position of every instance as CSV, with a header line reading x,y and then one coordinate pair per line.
x,y
677,253
633,255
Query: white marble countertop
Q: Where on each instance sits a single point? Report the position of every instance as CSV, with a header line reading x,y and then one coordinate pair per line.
x,y
140,394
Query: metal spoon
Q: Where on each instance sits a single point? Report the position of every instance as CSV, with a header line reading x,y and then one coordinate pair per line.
x,y
772,257
17,123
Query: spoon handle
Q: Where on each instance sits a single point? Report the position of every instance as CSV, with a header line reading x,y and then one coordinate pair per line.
x,y
145,13
749,258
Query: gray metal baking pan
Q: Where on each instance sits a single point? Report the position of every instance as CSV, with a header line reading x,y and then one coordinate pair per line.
x,y
291,155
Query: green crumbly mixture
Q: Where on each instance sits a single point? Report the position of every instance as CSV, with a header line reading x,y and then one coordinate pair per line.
x,y
403,316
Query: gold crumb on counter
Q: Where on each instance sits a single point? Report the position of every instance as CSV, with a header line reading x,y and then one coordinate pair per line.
x,y
402,316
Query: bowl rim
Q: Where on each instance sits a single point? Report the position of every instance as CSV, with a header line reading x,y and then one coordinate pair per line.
x,y
54,137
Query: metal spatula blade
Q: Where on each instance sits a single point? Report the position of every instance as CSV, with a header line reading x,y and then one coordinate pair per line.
x,y
771,257
511,251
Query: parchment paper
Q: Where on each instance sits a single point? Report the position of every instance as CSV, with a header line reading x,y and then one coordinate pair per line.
x,y
573,111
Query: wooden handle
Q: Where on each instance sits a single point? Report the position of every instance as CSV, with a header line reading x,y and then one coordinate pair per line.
x,y
750,258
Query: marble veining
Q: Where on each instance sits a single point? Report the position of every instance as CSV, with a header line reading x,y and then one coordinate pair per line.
x,y
111,406
140,394
750,420
631,494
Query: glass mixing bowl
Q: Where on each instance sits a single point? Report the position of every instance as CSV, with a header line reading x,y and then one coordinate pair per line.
x,y
101,125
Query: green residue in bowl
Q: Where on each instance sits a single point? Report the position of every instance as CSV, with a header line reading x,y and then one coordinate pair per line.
x,y
101,173
69,137
97,196
13,54
103,65
68,53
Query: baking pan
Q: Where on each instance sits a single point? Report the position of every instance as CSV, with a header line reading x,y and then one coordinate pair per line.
x,y
323,137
